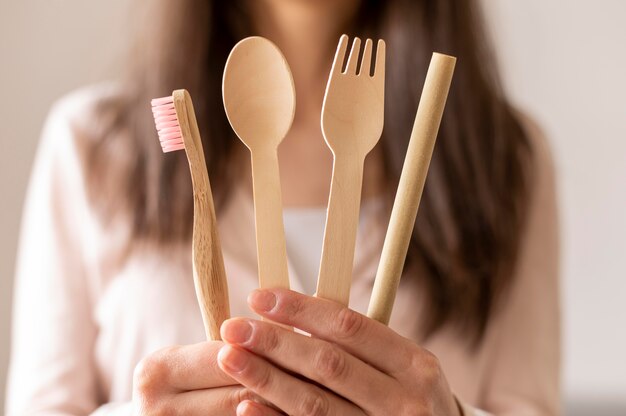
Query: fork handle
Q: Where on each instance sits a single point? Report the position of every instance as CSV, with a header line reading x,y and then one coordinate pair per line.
x,y
342,219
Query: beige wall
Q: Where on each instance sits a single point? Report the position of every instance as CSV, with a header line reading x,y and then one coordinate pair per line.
x,y
564,62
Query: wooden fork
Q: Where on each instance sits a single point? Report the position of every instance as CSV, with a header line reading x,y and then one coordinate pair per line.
x,y
352,122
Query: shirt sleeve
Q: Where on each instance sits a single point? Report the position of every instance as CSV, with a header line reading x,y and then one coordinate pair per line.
x,y
524,376
52,369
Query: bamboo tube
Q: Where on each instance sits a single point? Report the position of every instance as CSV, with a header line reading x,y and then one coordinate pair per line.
x,y
412,179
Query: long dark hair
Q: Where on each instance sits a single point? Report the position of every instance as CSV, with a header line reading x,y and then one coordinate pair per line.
x,y
472,213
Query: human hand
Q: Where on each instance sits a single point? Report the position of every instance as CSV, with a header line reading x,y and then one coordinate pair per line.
x,y
186,380
352,365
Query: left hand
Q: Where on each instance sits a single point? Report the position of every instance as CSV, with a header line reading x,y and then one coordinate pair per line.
x,y
352,365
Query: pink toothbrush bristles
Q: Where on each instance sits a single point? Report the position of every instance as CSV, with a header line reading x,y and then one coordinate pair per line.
x,y
167,126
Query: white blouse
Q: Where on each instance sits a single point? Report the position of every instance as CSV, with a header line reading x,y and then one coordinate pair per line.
x,y
304,233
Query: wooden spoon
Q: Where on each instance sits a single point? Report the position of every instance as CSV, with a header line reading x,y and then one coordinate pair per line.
x,y
259,98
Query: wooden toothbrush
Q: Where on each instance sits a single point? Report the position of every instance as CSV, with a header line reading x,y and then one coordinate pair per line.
x,y
352,122
178,129
259,99
412,179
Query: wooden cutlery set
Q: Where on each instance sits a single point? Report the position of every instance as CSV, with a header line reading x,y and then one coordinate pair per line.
x,y
259,98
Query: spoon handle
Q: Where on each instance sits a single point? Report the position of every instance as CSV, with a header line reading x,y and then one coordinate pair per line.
x,y
342,218
270,231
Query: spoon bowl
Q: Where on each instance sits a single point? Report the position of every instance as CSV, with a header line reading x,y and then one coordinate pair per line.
x,y
259,94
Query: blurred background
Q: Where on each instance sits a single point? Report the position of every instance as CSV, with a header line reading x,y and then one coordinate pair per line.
x,y
563,62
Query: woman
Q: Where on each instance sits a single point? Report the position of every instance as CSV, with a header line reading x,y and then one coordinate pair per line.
x,y
104,268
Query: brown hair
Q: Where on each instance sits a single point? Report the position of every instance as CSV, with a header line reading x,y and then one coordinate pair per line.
x,y
475,201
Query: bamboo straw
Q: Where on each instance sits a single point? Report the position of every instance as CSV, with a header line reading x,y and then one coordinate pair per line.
x,y
412,179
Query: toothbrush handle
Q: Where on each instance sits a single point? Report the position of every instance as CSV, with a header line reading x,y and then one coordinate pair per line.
x,y
209,275
208,266
270,231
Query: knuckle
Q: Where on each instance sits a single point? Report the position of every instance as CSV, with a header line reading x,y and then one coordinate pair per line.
x,y
150,373
293,307
314,404
431,359
427,365
349,324
414,358
245,394
271,342
263,380
238,395
331,363
431,364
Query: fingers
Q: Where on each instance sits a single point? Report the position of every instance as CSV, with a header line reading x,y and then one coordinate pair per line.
x,y
366,339
222,401
317,360
293,396
181,368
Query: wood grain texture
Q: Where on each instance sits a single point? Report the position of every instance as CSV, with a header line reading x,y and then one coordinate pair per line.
x,y
259,99
411,185
352,122
271,244
208,265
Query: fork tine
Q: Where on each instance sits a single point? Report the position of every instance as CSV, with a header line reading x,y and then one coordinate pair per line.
x,y
379,69
340,55
353,60
366,62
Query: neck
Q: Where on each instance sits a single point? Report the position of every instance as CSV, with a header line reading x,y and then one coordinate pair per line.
x,y
307,32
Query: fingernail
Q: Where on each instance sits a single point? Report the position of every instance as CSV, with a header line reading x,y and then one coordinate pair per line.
x,y
232,359
247,408
262,300
237,331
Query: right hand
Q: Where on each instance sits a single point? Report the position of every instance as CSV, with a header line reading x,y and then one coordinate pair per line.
x,y
186,380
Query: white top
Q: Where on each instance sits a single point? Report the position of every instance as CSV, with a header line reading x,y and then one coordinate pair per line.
x,y
84,315
304,232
